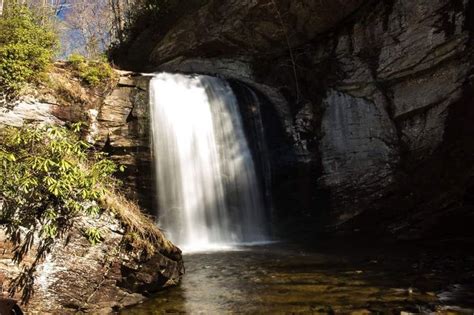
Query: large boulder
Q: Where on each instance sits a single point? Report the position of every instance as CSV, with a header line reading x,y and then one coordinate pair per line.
x,y
76,276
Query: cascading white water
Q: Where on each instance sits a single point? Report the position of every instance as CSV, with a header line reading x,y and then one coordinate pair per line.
x,y
208,192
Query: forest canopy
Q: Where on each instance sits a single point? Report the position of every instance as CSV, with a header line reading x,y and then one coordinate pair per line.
x,y
27,47
89,27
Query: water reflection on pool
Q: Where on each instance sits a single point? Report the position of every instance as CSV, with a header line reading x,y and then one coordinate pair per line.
x,y
281,279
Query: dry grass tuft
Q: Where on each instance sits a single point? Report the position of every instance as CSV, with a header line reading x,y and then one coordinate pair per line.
x,y
68,91
142,231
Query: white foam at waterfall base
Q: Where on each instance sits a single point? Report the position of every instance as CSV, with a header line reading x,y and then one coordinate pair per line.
x,y
208,193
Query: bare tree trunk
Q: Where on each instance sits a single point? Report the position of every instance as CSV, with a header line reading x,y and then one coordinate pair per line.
x,y
1,7
290,49
117,19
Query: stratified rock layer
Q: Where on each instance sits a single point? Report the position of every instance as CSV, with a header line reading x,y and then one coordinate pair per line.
x,y
123,130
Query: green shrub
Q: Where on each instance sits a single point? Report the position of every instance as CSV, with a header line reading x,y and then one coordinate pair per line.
x,y
48,177
92,72
26,48
77,60
94,235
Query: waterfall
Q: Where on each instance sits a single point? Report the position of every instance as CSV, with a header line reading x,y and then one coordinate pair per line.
x,y
208,192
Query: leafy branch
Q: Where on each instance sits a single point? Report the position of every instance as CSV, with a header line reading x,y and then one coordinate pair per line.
x,y
49,177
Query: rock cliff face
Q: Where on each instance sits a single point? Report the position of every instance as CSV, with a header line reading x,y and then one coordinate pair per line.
x,y
209,28
121,128
373,99
118,123
76,276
